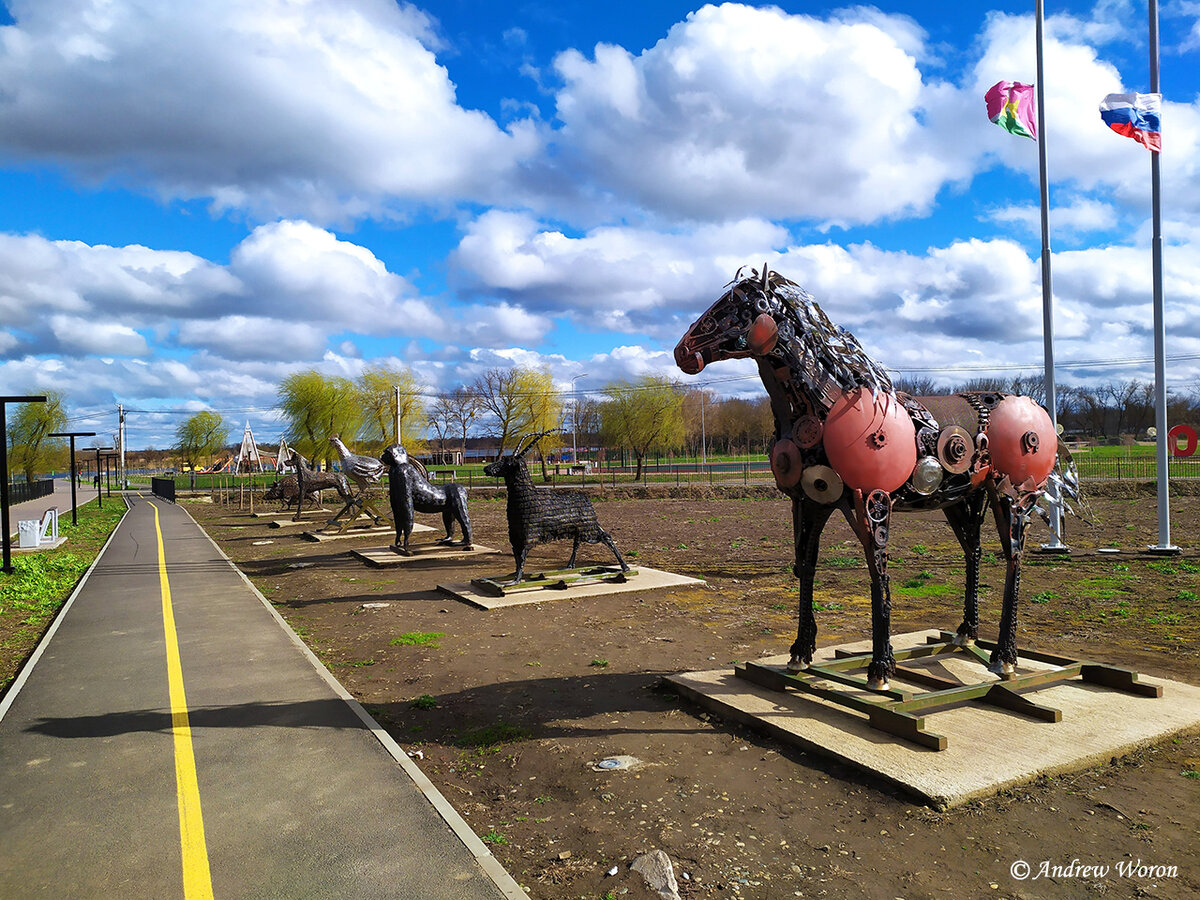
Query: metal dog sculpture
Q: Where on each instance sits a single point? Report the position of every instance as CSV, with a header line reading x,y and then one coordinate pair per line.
x,y
845,440
537,515
409,491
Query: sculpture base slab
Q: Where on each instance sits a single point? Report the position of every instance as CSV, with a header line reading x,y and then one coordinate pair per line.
x,y
389,557
357,531
988,749
317,517
487,596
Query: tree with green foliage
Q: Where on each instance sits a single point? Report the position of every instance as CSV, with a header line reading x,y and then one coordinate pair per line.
x,y
377,387
540,409
644,415
30,449
316,407
199,437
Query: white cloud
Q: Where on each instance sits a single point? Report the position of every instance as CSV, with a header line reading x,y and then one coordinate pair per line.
x,y
83,336
254,337
743,111
332,109
621,279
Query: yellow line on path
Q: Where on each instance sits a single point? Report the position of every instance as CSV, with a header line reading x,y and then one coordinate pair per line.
x,y
197,880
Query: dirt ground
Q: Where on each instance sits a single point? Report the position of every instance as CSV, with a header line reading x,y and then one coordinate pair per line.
x,y
512,708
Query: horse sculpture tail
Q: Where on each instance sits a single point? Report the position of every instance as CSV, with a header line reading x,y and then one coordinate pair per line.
x,y
1064,482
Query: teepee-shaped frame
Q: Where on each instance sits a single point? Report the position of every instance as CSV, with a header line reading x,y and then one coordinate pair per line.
x,y
248,458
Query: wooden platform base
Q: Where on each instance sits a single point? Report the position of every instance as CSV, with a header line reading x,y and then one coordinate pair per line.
x,y
390,557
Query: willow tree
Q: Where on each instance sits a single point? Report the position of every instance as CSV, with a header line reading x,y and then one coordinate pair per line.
x,y
199,437
316,407
379,388
31,449
541,410
644,415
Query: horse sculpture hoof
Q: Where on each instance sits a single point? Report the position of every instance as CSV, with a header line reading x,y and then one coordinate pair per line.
x,y
878,684
795,664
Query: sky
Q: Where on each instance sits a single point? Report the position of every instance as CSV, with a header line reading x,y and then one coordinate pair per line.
x,y
197,200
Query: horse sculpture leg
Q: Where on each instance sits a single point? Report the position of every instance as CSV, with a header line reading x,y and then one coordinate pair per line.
x,y
870,520
808,521
1011,520
965,519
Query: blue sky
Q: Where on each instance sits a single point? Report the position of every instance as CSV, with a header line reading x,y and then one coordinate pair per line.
x,y
198,199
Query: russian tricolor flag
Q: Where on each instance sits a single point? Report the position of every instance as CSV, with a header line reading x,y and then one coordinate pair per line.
x,y
1134,116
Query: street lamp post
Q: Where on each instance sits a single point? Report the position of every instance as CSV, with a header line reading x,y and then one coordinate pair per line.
x,y
99,477
72,435
6,538
575,420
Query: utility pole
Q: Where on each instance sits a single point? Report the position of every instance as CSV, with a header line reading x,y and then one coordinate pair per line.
x,y
121,443
397,390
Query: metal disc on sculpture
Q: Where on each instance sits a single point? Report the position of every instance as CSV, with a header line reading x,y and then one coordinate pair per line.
x,y
822,484
955,448
1021,440
807,432
870,441
763,334
927,476
786,464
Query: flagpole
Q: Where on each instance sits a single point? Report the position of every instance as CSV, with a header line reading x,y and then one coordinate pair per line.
x,y
1053,501
1160,375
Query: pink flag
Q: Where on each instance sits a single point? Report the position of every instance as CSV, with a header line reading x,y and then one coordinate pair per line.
x,y
1010,105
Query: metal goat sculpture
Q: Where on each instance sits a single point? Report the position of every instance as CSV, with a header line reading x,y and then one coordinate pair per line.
x,y
537,515
845,440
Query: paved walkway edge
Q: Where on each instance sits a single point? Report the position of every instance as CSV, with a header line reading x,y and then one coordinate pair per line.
x,y
490,865
27,669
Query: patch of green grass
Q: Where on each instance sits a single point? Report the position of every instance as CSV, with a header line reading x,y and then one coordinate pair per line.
x,y
1189,567
632,554
425,701
494,837
41,582
418,639
491,736
831,605
1190,773
779,606
1186,595
543,799
1163,567
843,562
920,549
599,663
1043,597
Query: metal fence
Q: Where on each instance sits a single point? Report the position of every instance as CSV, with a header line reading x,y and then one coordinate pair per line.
x,y
20,491
164,488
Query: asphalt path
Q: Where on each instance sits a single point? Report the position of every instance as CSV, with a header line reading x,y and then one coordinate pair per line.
x,y
172,737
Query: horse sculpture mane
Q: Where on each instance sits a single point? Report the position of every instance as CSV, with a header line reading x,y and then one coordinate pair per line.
x,y
846,440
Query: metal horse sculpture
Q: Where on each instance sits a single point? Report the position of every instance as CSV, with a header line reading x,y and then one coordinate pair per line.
x,y
309,481
845,440
409,491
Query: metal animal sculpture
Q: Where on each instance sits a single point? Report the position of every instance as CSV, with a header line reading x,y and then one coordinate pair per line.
x,y
308,481
409,491
537,515
845,440
365,471
286,491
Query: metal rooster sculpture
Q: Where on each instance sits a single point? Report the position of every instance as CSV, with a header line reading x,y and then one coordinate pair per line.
x,y
845,440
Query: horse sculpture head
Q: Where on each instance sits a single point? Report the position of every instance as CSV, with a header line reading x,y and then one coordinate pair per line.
x,y
743,322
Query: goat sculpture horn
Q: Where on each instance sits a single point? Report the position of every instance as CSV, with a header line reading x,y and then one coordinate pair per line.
x,y
523,447
764,277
